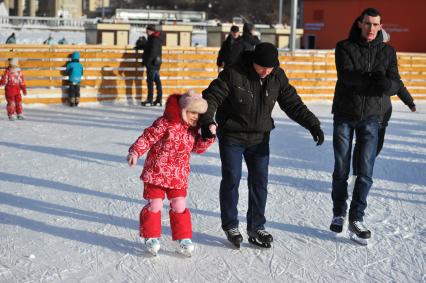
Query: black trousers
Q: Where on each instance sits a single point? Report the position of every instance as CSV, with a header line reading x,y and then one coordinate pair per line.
x,y
74,93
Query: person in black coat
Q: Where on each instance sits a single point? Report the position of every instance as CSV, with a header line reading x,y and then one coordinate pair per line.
x,y
241,101
386,114
227,53
249,38
151,59
367,71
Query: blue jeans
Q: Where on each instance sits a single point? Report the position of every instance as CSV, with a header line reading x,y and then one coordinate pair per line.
x,y
257,161
366,139
151,77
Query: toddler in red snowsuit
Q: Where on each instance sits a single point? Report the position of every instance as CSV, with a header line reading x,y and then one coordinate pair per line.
x,y
170,141
13,79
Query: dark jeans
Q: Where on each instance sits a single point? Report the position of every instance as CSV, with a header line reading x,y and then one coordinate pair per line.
x,y
74,93
380,142
151,77
257,161
366,138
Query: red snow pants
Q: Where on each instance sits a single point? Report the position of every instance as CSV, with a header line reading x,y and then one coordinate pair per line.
x,y
14,104
150,222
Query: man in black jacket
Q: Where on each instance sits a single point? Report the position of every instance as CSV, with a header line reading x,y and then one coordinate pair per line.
x,y
227,53
242,99
366,71
151,59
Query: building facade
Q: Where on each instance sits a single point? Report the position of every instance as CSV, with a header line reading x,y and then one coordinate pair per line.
x,y
328,21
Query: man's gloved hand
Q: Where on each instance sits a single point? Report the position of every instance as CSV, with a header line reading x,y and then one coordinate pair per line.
x,y
317,134
381,82
412,107
208,131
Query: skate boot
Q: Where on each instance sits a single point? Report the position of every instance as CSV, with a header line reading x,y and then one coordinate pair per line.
x,y
234,236
337,224
11,118
21,117
146,103
358,232
260,238
185,247
152,245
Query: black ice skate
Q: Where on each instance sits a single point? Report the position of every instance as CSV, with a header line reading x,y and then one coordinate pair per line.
x,y
358,232
337,224
234,236
260,238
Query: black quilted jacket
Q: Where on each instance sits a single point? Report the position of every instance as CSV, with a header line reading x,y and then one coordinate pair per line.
x,y
243,104
354,59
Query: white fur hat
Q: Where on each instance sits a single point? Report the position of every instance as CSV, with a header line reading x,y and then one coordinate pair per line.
x,y
14,62
193,102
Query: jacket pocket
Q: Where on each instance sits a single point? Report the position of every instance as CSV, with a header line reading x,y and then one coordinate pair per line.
x,y
242,99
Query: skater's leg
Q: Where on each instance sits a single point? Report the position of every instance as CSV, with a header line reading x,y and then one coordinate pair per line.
x,y
77,94
367,137
257,160
11,106
343,130
18,105
231,157
71,95
180,216
150,219
150,216
150,74
159,88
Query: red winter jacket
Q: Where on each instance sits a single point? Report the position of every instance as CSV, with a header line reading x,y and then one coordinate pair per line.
x,y
170,141
14,82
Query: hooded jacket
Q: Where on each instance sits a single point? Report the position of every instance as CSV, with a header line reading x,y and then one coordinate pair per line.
x,y
355,94
170,141
151,57
14,82
75,69
243,103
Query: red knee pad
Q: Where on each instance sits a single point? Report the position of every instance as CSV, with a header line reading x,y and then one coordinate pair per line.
x,y
181,225
149,223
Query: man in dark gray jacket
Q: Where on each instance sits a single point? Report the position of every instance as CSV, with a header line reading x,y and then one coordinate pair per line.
x,y
151,59
367,71
241,100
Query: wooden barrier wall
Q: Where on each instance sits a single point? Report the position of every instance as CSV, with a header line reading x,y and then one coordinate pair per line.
x,y
115,73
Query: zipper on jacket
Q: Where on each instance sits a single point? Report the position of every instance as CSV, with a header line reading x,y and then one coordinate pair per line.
x,y
368,70
246,90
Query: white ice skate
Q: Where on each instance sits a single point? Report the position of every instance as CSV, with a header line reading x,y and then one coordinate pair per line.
x,y
152,245
185,247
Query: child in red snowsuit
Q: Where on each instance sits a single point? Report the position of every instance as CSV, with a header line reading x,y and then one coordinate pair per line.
x,y
170,141
13,79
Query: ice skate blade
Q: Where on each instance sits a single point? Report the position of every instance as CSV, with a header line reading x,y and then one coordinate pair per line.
x,y
254,241
154,251
355,238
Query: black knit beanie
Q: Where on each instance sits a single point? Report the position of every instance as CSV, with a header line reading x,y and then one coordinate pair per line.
x,y
266,55
151,27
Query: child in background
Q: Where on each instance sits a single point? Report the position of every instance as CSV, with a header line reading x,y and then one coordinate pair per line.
x,y
74,71
13,80
170,141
